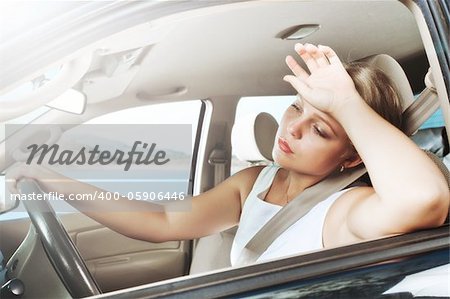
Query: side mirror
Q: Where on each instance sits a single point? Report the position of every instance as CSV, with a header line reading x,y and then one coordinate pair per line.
x,y
7,205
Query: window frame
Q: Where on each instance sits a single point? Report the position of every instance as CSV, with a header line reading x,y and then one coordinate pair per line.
x,y
267,276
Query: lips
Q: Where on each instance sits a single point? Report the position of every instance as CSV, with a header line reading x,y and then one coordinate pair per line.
x,y
284,146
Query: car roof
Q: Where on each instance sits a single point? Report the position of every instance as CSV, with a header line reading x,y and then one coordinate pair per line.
x,y
209,48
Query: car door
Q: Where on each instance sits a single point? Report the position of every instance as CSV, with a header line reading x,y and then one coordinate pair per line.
x,y
117,261
394,267
108,253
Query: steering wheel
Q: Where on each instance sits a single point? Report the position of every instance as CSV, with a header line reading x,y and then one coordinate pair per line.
x,y
60,250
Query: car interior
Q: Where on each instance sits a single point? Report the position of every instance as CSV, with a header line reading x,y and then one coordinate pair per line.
x,y
212,58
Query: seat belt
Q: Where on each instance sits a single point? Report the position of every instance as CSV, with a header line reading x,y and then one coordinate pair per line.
x,y
218,156
218,159
419,111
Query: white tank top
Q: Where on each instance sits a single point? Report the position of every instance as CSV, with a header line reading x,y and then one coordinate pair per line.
x,y
303,236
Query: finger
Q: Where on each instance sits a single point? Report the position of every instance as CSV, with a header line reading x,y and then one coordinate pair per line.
x,y
319,56
296,68
330,54
301,87
306,56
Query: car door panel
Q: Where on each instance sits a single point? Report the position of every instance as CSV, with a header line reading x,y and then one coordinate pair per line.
x,y
114,260
89,242
131,269
117,261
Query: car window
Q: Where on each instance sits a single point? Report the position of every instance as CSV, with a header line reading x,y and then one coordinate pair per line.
x,y
23,119
424,275
144,182
181,113
168,113
432,136
275,105
436,120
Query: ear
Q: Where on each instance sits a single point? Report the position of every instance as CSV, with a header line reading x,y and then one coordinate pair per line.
x,y
352,161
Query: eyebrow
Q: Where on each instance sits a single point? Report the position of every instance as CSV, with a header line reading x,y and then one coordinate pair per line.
x,y
299,100
326,122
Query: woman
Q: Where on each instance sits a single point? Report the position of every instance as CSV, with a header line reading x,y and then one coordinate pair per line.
x,y
331,127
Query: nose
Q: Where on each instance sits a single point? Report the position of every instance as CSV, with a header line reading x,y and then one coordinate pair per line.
x,y
295,127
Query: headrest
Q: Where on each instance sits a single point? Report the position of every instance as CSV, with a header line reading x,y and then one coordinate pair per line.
x,y
253,136
395,72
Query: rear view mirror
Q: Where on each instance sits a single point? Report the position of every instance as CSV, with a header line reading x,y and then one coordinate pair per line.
x,y
42,90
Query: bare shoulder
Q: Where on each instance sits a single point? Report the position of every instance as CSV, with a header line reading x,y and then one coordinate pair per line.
x,y
245,179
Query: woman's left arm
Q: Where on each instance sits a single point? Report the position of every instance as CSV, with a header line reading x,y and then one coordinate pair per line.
x,y
409,191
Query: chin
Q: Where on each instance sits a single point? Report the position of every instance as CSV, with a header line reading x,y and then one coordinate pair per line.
x,y
288,164
283,162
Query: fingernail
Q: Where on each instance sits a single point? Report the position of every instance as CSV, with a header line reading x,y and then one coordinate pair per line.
x,y
297,46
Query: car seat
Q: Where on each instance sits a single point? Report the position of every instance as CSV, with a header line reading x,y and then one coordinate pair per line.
x,y
252,139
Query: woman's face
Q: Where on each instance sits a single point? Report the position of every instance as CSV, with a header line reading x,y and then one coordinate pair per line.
x,y
309,141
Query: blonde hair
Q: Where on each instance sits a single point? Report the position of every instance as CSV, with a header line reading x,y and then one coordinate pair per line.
x,y
377,90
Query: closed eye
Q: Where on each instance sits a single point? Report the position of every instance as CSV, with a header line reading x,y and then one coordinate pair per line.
x,y
319,131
